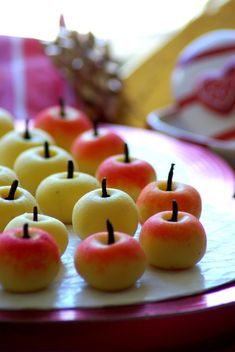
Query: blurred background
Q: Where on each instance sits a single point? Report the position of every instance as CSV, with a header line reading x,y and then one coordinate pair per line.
x,y
134,28
145,36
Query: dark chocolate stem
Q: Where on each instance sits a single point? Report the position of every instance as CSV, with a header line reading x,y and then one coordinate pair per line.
x,y
170,177
104,188
174,216
46,150
11,194
26,132
111,238
70,169
62,107
26,231
126,153
35,214
95,127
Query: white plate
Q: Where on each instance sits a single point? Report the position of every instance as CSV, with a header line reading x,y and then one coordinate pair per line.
x,y
168,121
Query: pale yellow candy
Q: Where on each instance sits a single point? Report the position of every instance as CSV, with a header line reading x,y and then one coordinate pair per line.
x,y
13,143
32,167
92,210
23,202
57,194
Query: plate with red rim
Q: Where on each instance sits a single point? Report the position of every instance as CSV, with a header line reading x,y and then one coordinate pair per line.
x,y
147,324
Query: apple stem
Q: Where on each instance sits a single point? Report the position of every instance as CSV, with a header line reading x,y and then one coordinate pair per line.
x,y
104,188
46,150
174,216
62,107
111,238
170,177
70,169
26,231
11,194
126,153
35,214
26,133
95,127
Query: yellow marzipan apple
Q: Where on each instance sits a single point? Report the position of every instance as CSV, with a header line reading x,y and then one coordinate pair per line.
x,y
14,142
93,209
35,164
14,201
58,193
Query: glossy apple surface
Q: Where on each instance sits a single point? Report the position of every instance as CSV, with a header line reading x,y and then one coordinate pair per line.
x,y
22,202
27,264
110,267
57,194
90,149
173,245
44,222
64,127
14,142
155,198
130,177
32,166
6,122
91,211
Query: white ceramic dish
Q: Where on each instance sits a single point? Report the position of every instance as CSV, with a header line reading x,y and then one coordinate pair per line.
x,y
168,121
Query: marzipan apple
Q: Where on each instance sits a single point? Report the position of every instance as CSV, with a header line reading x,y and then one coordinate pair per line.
x,y
91,211
29,259
58,193
173,240
35,164
109,260
158,195
44,222
127,173
62,122
14,201
15,142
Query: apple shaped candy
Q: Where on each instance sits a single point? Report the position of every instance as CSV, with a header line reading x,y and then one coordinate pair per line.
x,y
157,196
90,148
14,201
110,261
15,142
7,176
62,122
29,259
173,239
91,211
35,164
127,173
6,122
44,222
58,193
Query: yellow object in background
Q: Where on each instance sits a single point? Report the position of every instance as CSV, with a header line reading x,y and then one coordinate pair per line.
x,y
149,86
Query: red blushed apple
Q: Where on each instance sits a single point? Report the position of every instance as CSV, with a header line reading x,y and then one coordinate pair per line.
x,y
110,261
63,123
29,259
173,240
157,196
91,147
129,174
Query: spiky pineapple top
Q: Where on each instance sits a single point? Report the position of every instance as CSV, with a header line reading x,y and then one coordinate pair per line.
x,y
95,76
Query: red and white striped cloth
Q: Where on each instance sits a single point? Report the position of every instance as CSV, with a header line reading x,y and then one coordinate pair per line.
x,y
29,81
